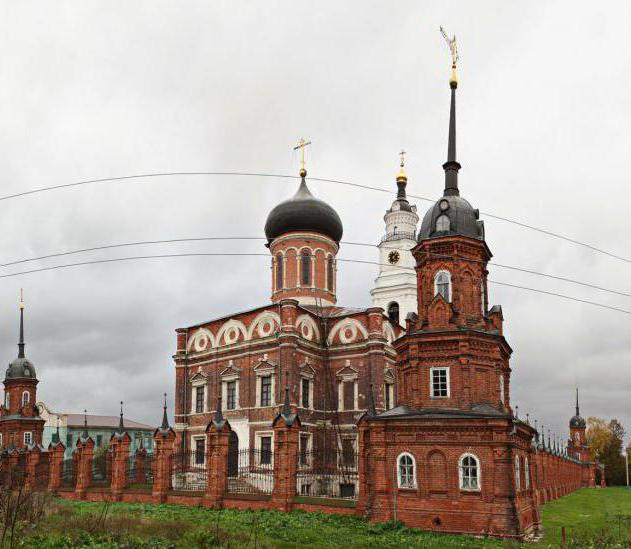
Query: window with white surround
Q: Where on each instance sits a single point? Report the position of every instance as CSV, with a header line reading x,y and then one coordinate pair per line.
x,y
279,271
469,472
231,395
442,223
406,471
266,391
502,388
198,444
388,395
264,444
517,474
198,394
199,399
526,473
442,284
265,383
7,400
347,388
28,438
306,392
305,449
26,398
347,452
439,382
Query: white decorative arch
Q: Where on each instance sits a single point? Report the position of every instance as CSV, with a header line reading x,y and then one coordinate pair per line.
x,y
406,470
201,340
388,332
307,328
263,325
349,329
230,331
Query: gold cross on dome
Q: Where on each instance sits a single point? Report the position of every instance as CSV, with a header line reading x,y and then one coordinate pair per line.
x,y
301,145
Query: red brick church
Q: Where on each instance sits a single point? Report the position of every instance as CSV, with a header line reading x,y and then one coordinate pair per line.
x,y
423,409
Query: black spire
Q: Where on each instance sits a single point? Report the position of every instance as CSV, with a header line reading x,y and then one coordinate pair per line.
x,y
577,412
452,166
21,344
165,419
121,425
85,434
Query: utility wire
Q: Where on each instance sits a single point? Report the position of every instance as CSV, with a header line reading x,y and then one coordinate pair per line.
x,y
337,181
240,254
220,238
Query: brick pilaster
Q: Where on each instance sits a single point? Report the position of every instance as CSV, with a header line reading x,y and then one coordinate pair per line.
x,y
366,483
119,446
164,444
56,459
286,439
33,456
85,457
217,437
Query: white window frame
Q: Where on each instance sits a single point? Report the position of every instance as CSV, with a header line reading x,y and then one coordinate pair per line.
x,y
431,382
388,394
308,449
257,445
439,218
526,473
517,474
194,439
29,435
399,479
502,389
28,397
7,400
194,386
0,440
461,472
449,292
309,378
340,392
224,392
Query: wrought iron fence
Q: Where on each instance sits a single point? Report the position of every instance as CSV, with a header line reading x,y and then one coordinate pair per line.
x,y
141,471
101,470
251,471
189,471
68,473
327,474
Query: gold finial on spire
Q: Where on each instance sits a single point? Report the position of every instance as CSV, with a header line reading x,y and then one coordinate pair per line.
x,y
402,174
21,298
453,49
301,145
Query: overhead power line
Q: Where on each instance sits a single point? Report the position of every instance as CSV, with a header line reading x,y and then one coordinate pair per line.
x,y
254,254
336,181
220,238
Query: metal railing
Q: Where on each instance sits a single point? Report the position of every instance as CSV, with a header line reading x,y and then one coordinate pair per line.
x,y
327,475
399,235
68,473
251,471
189,471
140,471
102,469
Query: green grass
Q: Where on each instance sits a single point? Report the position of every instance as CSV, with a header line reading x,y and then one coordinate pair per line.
x,y
591,518
601,515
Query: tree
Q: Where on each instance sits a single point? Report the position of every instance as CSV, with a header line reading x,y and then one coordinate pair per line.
x,y
606,444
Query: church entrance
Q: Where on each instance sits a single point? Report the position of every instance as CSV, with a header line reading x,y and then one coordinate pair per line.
x,y
233,454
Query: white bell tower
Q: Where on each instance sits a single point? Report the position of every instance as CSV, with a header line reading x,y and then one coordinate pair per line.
x,y
395,287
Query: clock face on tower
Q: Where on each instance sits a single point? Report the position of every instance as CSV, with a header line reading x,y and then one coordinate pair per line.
x,y
393,257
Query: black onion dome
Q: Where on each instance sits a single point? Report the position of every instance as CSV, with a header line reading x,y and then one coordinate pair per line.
x,y
463,219
21,368
577,422
303,212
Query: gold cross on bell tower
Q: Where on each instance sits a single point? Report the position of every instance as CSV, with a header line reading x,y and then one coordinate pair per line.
x,y
301,145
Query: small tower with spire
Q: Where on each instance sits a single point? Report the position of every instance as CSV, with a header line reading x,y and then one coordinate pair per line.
x,y
395,286
577,443
20,424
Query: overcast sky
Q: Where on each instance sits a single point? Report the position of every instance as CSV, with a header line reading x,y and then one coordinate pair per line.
x,y
98,89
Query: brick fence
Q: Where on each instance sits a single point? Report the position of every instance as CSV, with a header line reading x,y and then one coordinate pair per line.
x,y
284,477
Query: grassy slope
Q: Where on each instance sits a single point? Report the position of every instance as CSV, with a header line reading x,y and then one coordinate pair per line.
x,y
587,512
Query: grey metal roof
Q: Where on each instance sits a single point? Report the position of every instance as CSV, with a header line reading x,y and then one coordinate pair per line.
x,y
107,422
478,411
463,219
21,368
303,212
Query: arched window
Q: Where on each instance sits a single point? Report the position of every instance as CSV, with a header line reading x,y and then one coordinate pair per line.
x,y
7,400
26,397
469,472
482,298
442,223
330,273
279,272
442,284
305,268
502,388
406,468
526,473
517,474
393,312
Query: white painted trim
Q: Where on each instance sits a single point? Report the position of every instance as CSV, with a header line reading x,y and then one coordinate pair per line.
x,y
431,381
460,472
399,485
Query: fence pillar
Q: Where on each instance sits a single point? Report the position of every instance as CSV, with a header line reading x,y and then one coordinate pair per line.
x,y
33,456
286,427
164,444
365,481
56,457
217,440
85,457
119,446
